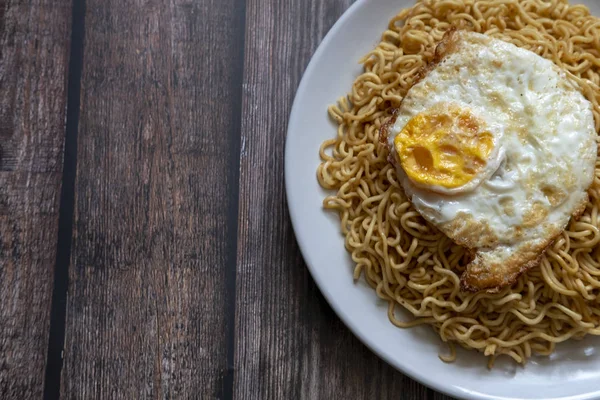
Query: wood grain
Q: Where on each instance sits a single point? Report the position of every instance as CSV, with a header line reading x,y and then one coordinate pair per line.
x,y
290,345
34,55
156,200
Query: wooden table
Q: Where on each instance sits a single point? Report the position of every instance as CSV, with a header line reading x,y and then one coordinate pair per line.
x,y
145,245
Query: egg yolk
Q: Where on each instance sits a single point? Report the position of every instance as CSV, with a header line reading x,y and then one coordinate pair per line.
x,y
446,148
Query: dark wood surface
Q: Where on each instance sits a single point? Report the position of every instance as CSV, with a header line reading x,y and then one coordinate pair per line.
x,y
177,271
34,55
155,200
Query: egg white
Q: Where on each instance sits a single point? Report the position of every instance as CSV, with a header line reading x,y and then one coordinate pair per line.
x,y
544,134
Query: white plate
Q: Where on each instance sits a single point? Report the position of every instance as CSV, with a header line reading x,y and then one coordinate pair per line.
x,y
573,372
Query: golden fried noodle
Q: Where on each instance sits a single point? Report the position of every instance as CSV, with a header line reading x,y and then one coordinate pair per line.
x,y
409,262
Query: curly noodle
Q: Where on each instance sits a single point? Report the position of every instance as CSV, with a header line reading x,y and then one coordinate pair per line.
x,y
409,262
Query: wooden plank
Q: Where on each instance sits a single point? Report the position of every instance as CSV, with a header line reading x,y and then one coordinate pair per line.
x,y
156,200
34,56
290,344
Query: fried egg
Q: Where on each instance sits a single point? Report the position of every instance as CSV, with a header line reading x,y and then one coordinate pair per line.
x,y
496,147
